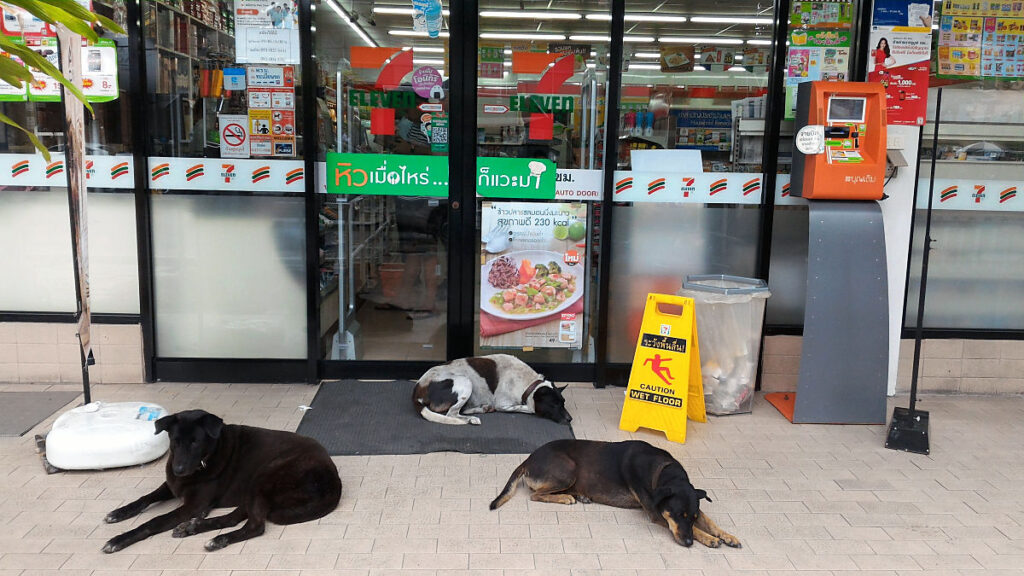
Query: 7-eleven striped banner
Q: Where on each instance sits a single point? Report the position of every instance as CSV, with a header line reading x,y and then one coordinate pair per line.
x,y
270,176
699,188
34,170
969,194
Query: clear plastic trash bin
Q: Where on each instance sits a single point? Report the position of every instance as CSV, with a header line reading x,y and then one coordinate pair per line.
x,y
730,312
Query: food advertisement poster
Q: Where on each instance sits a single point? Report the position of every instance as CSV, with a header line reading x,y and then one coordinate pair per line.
x,y
532,274
981,39
900,61
677,58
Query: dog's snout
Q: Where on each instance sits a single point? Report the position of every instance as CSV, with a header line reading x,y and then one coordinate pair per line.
x,y
687,542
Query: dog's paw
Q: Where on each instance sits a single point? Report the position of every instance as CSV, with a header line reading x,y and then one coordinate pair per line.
x,y
731,541
116,516
186,529
216,544
113,545
474,420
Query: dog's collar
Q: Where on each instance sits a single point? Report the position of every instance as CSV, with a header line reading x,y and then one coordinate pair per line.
x,y
530,389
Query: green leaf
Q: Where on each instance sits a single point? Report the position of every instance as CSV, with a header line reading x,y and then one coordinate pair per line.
x,y
35,141
13,73
36,61
109,24
76,18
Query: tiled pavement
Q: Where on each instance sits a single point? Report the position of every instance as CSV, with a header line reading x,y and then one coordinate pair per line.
x,y
807,499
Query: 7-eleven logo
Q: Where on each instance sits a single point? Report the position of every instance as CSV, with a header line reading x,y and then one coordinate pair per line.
x,y
751,186
19,168
159,171
293,176
194,172
1007,194
718,186
656,185
785,189
947,194
54,168
979,193
118,170
227,172
89,169
624,184
688,186
260,174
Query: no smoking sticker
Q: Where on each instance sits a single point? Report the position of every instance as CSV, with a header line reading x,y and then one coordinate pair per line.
x,y
234,138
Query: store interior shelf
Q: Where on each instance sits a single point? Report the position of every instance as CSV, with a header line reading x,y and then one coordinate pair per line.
x,y
976,131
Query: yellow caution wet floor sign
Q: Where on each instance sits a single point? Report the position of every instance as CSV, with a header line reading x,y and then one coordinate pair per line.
x,y
665,384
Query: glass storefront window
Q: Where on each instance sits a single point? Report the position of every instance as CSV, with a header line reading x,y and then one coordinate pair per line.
x,y
382,106
226,177
688,180
541,84
34,226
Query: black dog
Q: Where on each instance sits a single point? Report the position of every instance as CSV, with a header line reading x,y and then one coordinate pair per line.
x,y
625,475
264,474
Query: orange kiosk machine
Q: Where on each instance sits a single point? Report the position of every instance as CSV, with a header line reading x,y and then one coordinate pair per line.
x,y
839,164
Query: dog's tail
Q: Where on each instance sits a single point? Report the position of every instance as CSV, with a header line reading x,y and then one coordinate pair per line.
x,y
432,416
510,487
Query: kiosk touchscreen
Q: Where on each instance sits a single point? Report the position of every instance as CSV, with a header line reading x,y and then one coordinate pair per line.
x,y
839,149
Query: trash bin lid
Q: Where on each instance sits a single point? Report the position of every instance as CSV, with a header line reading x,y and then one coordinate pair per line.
x,y
724,284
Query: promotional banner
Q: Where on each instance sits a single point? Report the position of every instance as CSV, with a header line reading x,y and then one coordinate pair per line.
x,y
818,55
226,174
533,273
74,116
981,39
387,174
703,129
900,60
267,31
515,178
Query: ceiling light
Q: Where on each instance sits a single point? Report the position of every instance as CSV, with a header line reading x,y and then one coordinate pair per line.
x,y
515,36
639,18
729,20
534,14
698,40
638,39
699,68
429,61
415,33
760,42
737,69
401,11
585,38
647,55
645,66
737,57
425,49
351,24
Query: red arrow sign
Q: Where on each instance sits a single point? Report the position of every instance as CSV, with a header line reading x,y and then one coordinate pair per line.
x,y
495,108
428,107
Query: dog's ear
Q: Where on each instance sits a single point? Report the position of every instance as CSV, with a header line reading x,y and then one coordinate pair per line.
x,y
702,495
560,388
212,425
163,424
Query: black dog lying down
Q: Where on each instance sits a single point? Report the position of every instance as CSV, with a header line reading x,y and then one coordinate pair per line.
x,y
623,474
264,474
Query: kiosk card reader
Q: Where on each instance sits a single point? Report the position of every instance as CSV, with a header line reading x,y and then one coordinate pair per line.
x,y
839,148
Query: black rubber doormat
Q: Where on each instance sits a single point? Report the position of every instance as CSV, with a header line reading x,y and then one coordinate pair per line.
x,y
21,411
375,418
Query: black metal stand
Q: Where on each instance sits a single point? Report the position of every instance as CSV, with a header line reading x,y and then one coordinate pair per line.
x,y
908,430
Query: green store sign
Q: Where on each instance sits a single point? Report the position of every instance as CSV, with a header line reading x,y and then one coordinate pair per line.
x,y
541,104
376,99
427,176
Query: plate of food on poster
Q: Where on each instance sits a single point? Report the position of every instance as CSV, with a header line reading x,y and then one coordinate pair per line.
x,y
529,284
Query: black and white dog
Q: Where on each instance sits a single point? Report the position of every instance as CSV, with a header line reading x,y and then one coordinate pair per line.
x,y
452,392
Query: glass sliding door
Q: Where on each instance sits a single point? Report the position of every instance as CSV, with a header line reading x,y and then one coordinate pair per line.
x,y
688,180
383,115
541,83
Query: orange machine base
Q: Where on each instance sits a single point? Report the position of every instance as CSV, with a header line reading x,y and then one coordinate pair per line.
x,y
785,402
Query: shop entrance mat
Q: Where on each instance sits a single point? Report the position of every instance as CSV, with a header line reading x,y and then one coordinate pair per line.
x,y
21,411
351,417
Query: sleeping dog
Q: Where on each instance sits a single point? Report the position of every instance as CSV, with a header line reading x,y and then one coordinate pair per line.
x,y
452,392
263,474
630,474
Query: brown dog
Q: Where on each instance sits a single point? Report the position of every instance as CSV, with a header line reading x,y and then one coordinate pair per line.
x,y
625,475
263,474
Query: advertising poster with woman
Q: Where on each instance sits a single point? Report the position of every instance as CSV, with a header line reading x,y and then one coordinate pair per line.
x,y
899,58
532,274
